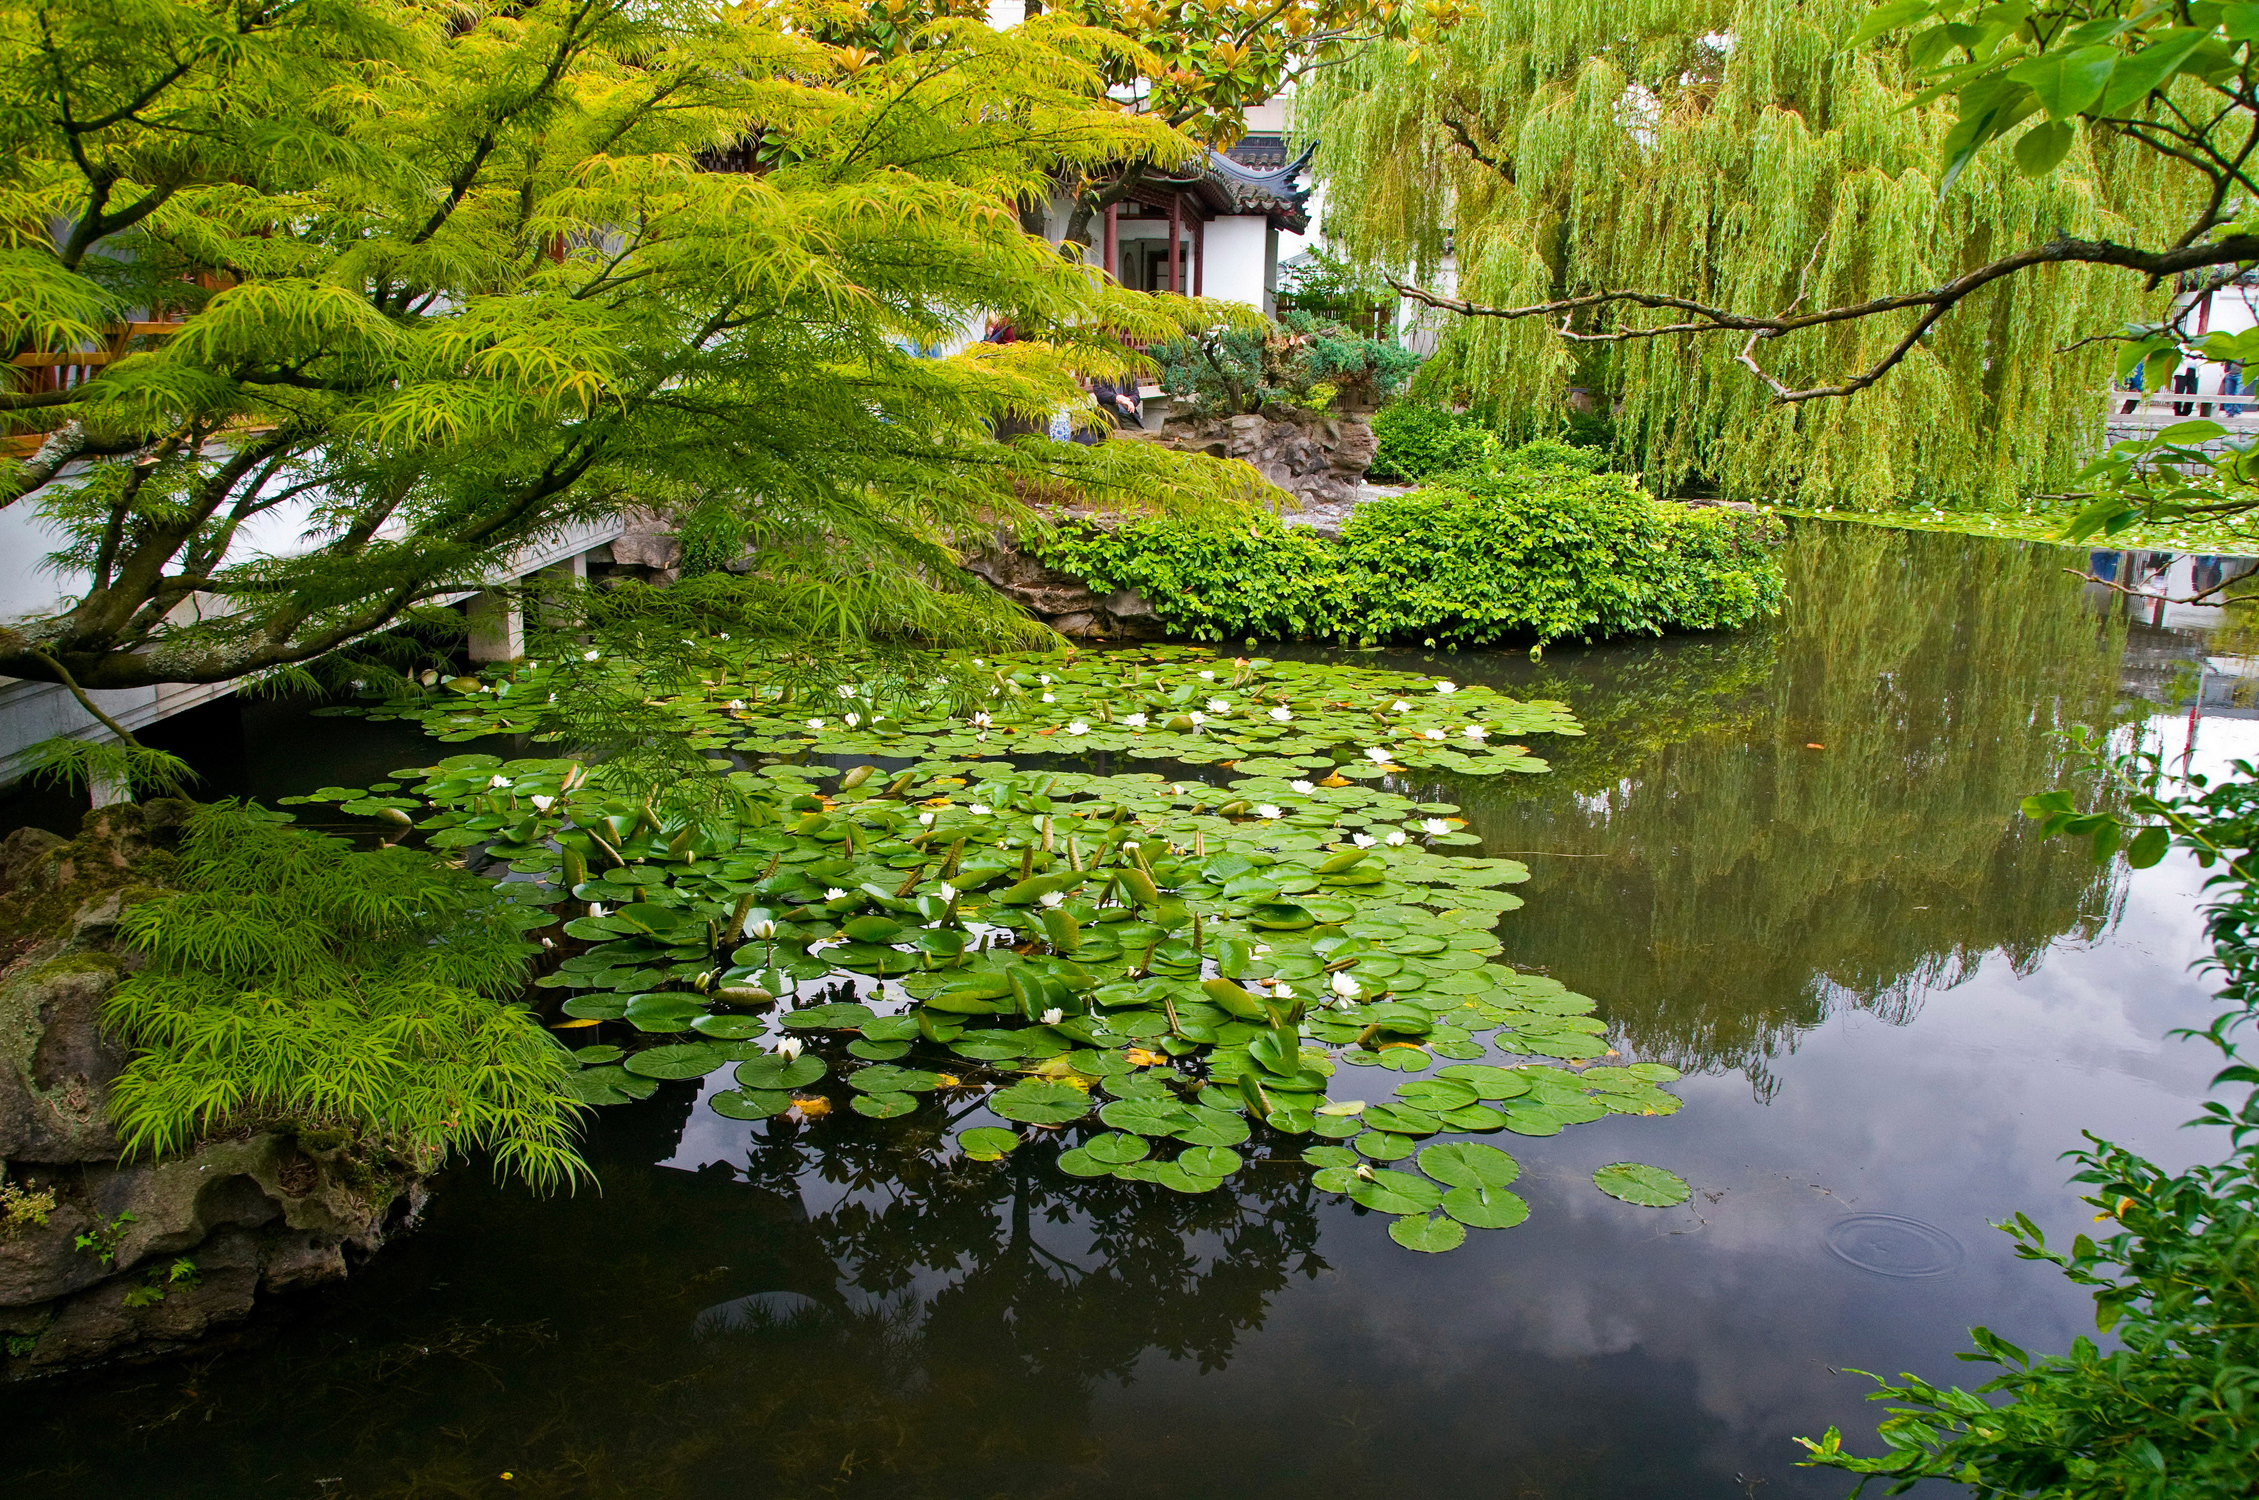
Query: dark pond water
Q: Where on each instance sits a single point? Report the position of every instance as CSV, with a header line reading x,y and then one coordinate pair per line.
x,y
1788,862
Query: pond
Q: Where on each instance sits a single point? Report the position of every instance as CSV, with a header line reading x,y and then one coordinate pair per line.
x,y
1787,863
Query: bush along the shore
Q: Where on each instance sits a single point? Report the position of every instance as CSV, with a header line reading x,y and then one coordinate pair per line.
x,y
1536,547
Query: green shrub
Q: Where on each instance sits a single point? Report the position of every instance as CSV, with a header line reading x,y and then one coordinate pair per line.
x,y
1301,361
1539,547
294,978
1416,441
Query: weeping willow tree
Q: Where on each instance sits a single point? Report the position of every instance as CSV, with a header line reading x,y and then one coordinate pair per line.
x,y
1602,172
373,295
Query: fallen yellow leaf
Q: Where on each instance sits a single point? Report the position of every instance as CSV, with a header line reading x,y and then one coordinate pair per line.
x,y
812,1109
569,1025
1336,779
1145,1059
947,1081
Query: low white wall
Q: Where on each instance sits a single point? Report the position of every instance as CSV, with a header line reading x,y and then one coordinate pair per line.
x,y
1233,259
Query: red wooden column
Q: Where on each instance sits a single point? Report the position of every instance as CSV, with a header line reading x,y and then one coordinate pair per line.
x,y
1113,242
1199,251
1176,229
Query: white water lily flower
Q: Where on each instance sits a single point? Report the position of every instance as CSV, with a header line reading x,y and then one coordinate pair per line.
x,y
1435,825
1283,714
1345,987
761,931
596,908
590,655
1302,788
925,820
1218,706
1431,734
1207,677
1078,727
1048,698
543,804
788,1047
978,662
1054,1016
1197,717
498,781
982,721
1132,844
1266,810
737,705
845,691
1051,898
852,719
1134,721
1447,688
1044,678
1475,732
1363,840
815,723
977,809
1399,706
834,893
1261,949
1395,837
1377,756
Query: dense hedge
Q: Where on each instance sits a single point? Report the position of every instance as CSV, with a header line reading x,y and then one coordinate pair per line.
x,y
1537,548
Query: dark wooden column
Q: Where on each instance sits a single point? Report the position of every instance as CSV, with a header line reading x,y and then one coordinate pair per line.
x,y
1176,231
1113,241
1199,250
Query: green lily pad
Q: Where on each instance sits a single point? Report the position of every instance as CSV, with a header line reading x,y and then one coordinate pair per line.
x,y
772,1070
610,1085
1149,1117
729,1028
1650,1187
1488,1082
749,1104
1040,1102
987,1142
683,1060
886,1078
1382,1145
1118,1148
664,1012
1391,1192
1431,1235
1485,1207
1469,1164
827,1017
1209,1161
1173,1176
596,1007
883,1106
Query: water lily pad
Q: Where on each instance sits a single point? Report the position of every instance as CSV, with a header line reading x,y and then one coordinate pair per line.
x,y
1650,1187
1382,1145
1175,1177
989,1046
883,1106
729,1028
1333,1179
1532,1120
749,1104
1488,1082
1209,1161
1469,1164
1652,1072
610,1085
1392,1192
871,1051
1402,1119
683,1060
1431,1235
1149,1117
987,1142
664,1012
1117,1148
1485,1207
596,1007
886,1078
1475,1117
1216,1127
1040,1102
827,1017
771,1070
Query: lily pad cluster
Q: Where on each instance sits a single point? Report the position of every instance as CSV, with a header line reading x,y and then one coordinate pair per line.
x,y
1164,703
1179,975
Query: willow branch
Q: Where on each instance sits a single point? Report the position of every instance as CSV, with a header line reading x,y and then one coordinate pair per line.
x,y
1934,303
2133,593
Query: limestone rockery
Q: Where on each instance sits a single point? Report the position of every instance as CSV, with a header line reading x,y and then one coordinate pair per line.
x,y
100,1259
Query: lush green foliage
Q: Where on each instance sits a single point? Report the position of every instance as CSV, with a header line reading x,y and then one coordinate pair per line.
x,y
1301,360
292,979
1564,151
2173,1413
1415,440
453,280
1538,547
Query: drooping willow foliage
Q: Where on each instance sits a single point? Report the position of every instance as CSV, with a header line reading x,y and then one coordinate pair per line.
x,y
293,980
1741,153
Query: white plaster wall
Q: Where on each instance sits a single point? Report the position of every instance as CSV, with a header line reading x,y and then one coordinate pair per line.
x,y
1234,259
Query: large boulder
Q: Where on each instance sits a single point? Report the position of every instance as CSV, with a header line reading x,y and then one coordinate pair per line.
x,y
1319,460
102,1258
